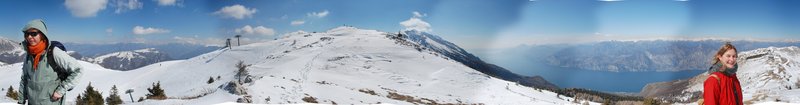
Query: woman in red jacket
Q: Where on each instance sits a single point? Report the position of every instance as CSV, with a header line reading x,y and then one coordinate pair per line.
x,y
722,86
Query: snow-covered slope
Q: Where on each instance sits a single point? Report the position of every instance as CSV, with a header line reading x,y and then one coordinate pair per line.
x,y
127,60
438,46
766,74
344,65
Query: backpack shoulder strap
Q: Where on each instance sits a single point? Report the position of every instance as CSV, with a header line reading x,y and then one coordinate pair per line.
x,y
715,77
62,74
700,101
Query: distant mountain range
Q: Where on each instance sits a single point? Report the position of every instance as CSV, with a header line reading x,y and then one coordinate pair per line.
x,y
128,60
119,56
628,56
174,50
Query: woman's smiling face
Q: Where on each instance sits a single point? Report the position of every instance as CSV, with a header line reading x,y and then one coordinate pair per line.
x,y
728,59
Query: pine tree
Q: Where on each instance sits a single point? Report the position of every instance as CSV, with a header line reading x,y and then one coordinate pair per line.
x,y
113,98
79,100
156,92
11,93
241,71
91,96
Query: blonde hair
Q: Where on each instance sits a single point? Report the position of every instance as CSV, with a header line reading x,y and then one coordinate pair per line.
x,y
727,46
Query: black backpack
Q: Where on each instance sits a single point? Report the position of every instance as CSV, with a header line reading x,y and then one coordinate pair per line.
x,y
62,73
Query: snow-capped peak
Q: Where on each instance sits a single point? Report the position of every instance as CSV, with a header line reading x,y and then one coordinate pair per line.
x,y
10,51
123,54
147,50
342,29
434,42
8,45
126,60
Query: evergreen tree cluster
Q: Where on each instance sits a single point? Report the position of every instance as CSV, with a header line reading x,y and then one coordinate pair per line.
x,y
12,93
113,98
90,97
156,92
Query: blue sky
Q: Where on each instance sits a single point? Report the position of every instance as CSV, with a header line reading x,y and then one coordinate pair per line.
x,y
188,19
473,24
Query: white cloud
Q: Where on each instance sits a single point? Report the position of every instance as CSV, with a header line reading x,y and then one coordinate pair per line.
x,y
125,5
258,30
109,31
139,30
318,15
298,22
236,11
310,17
418,15
167,2
85,8
415,23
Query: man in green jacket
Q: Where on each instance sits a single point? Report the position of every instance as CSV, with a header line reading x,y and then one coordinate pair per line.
x,y
40,84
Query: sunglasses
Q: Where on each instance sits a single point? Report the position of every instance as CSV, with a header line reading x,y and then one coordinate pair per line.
x,y
33,34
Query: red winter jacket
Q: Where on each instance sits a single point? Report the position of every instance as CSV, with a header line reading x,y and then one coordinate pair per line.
x,y
726,91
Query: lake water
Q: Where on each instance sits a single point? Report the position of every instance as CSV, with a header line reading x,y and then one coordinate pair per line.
x,y
628,82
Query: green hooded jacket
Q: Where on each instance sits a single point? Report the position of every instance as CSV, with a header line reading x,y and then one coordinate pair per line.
x,y
37,86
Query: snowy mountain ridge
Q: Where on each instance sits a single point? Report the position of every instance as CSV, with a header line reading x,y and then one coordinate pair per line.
x,y
10,51
434,42
429,42
128,60
126,55
344,65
